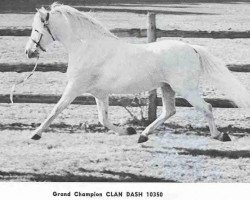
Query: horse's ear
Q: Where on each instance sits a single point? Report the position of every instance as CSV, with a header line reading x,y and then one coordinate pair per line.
x,y
43,13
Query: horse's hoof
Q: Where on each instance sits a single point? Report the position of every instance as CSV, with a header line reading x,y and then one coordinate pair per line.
x,y
131,131
224,137
36,137
142,139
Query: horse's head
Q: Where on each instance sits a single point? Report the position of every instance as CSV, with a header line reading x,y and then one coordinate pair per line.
x,y
41,34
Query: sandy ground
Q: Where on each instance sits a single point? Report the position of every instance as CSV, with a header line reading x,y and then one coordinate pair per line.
x,y
180,151
105,157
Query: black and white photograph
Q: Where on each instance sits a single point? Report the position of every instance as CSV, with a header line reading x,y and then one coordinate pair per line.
x,y
125,91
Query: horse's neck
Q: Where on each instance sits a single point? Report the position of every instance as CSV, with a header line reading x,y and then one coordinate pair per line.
x,y
71,40
62,34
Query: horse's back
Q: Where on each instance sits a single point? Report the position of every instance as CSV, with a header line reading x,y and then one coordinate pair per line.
x,y
168,45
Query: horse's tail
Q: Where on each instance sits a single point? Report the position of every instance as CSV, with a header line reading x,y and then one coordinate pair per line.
x,y
223,78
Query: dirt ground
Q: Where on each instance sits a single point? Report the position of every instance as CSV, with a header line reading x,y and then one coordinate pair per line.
x,y
77,148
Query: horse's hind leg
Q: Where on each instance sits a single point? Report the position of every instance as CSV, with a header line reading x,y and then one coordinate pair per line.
x,y
168,102
68,96
195,99
102,106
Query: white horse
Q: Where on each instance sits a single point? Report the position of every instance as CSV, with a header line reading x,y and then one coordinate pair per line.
x,y
101,64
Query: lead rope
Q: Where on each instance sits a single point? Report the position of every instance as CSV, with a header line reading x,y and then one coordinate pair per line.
x,y
22,81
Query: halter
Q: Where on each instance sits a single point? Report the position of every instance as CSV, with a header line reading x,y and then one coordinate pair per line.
x,y
45,25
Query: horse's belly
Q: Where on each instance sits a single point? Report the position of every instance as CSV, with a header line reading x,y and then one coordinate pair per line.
x,y
134,80
134,88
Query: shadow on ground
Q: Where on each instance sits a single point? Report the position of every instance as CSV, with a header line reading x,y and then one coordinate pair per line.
x,y
69,177
213,153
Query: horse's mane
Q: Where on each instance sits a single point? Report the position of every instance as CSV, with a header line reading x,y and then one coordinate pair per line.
x,y
80,20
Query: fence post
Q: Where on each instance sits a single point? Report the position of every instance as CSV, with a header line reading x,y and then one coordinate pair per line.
x,y
151,35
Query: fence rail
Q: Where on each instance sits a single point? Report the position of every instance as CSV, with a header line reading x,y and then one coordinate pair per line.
x,y
136,10
141,33
62,67
113,100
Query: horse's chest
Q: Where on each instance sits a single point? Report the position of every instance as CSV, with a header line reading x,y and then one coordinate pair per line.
x,y
87,68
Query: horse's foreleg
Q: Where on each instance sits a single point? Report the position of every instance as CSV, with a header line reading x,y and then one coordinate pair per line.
x,y
68,96
168,101
102,106
195,99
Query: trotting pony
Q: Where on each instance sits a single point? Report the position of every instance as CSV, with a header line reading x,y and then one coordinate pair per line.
x,y
102,64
